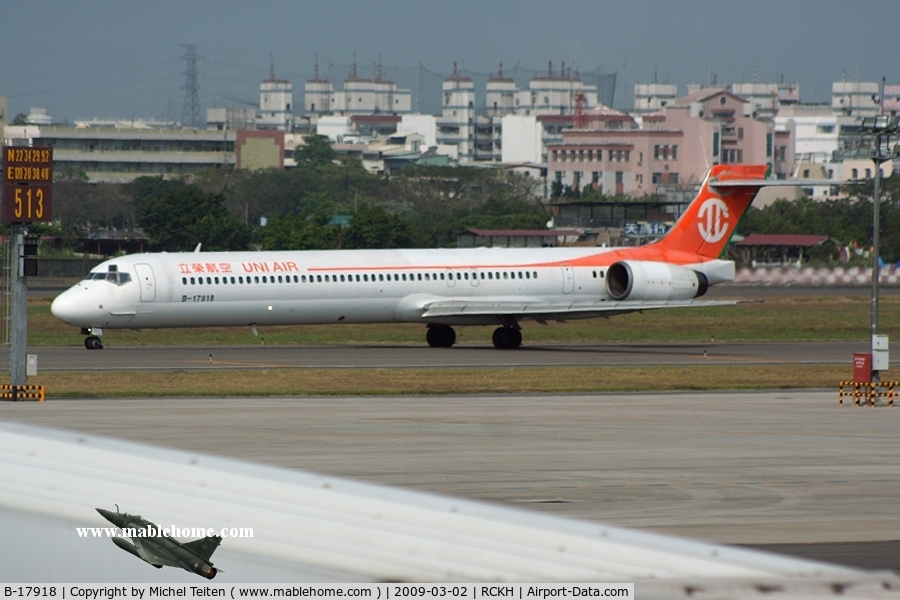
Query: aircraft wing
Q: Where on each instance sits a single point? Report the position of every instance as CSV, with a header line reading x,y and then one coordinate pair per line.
x,y
153,554
541,311
309,527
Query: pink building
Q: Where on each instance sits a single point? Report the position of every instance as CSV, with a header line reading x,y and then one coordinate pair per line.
x,y
673,148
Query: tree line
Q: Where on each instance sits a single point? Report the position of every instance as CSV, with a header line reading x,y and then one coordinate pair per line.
x,y
326,202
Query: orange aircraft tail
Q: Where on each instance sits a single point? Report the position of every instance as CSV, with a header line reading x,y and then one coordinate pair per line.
x,y
709,222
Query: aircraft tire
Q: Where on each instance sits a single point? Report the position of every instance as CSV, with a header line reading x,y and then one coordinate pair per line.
x,y
440,336
92,342
507,338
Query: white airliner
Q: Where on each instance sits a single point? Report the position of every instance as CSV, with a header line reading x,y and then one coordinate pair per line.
x,y
439,288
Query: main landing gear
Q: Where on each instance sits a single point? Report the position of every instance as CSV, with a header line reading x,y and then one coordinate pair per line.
x,y
508,337
440,336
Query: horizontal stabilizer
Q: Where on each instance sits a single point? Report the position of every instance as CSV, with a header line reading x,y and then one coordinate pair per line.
x,y
736,183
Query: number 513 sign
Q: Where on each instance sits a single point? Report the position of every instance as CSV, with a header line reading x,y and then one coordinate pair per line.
x,y
27,184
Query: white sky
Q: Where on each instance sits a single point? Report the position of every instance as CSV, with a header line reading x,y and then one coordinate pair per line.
x,y
107,58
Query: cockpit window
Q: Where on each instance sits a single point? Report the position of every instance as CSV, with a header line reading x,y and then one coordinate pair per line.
x,y
118,278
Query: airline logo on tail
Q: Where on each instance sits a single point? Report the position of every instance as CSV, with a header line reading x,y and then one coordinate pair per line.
x,y
712,220
706,226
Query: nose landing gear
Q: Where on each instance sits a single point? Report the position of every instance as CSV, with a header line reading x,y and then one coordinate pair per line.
x,y
92,342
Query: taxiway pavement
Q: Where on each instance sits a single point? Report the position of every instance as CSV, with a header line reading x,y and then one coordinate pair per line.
x,y
787,467
77,358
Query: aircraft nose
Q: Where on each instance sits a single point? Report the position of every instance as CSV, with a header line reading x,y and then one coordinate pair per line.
x,y
106,514
66,308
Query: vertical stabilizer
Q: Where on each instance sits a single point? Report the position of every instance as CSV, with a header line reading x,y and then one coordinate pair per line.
x,y
709,222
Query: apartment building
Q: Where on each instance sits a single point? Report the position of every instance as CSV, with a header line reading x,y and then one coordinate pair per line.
x,y
121,153
357,96
671,148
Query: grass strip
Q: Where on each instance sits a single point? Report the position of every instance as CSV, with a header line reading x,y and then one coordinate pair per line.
x,y
379,382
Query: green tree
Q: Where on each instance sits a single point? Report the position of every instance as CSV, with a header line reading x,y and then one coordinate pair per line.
x,y
374,227
177,216
301,232
315,151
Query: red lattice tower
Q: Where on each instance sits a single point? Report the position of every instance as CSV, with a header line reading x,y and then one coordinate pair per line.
x,y
580,119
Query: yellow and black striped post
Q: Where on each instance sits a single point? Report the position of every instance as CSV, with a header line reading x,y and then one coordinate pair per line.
x,y
22,392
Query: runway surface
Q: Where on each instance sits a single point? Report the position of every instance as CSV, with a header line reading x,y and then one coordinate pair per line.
x,y
76,358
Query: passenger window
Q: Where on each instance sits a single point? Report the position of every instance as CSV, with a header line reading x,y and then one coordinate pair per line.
x,y
420,276
184,281
217,280
535,275
365,276
404,277
192,281
200,280
466,276
427,277
505,275
318,279
256,278
527,275
380,277
442,276
520,274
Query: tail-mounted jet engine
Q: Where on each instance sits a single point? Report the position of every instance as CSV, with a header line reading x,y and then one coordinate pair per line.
x,y
647,280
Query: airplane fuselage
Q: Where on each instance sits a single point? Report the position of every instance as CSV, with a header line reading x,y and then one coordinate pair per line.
x,y
339,286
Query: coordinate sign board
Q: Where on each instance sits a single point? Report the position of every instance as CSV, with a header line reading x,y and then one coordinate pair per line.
x,y
27,184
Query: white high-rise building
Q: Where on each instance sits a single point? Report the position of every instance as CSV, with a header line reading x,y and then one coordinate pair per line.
x,y
653,97
500,96
317,94
555,94
456,126
767,98
359,96
855,98
276,101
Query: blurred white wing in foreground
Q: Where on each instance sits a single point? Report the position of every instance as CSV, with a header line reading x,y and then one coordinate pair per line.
x,y
309,527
